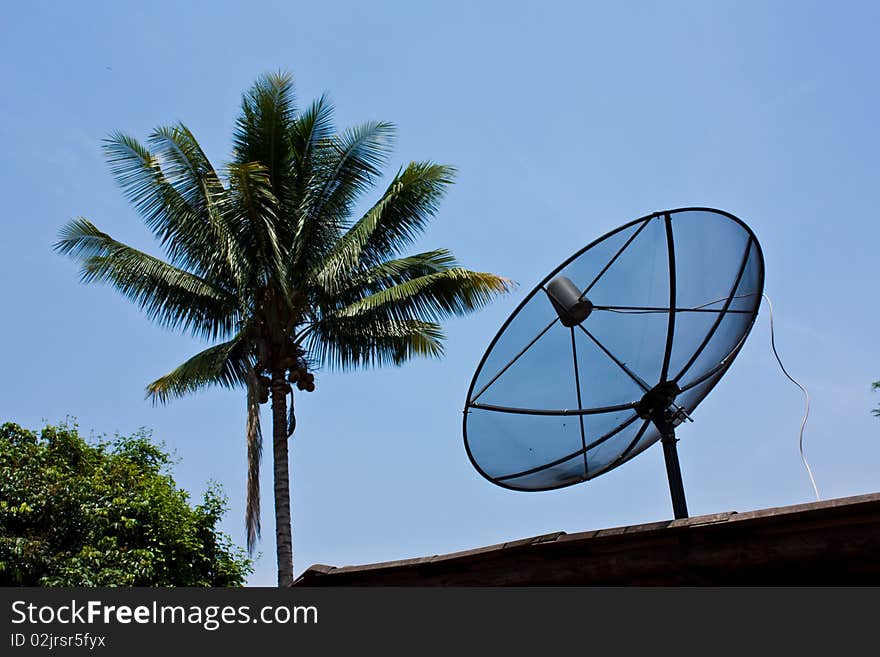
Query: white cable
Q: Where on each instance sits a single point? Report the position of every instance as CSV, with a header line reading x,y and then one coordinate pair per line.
x,y
806,398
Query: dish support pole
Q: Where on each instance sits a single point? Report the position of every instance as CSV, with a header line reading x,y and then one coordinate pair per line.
x,y
673,467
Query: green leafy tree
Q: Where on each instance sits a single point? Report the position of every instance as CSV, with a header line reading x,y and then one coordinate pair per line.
x,y
106,514
265,260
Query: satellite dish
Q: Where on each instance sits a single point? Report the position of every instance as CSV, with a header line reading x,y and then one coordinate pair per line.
x,y
614,349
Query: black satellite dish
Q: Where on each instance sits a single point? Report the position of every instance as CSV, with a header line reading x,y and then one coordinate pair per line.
x,y
613,350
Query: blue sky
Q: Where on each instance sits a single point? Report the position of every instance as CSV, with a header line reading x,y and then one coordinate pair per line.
x,y
564,120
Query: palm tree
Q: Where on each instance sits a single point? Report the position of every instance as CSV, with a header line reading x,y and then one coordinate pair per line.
x,y
265,262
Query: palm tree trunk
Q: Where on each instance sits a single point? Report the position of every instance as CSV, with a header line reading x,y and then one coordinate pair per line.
x,y
283,540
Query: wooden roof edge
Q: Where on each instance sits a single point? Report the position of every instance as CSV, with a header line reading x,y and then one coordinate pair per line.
x,y
836,505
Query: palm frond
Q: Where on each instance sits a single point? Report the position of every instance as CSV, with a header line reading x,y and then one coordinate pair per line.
x,y
183,163
350,164
226,364
182,229
311,128
256,210
396,322
172,297
346,343
359,284
262,132
311,139
394,222
187,169
431,297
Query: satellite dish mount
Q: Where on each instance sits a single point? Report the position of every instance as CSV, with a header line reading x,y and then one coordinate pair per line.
x,y
657,406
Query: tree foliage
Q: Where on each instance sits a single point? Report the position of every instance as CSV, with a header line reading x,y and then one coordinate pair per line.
x,y
106,514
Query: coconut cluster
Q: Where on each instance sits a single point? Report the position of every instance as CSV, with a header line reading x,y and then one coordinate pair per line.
x,y
296,373
303,379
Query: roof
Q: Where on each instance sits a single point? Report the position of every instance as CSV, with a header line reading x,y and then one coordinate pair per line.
x,y
830,542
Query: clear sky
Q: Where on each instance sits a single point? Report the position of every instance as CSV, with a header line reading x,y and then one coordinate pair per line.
x,y
564,120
